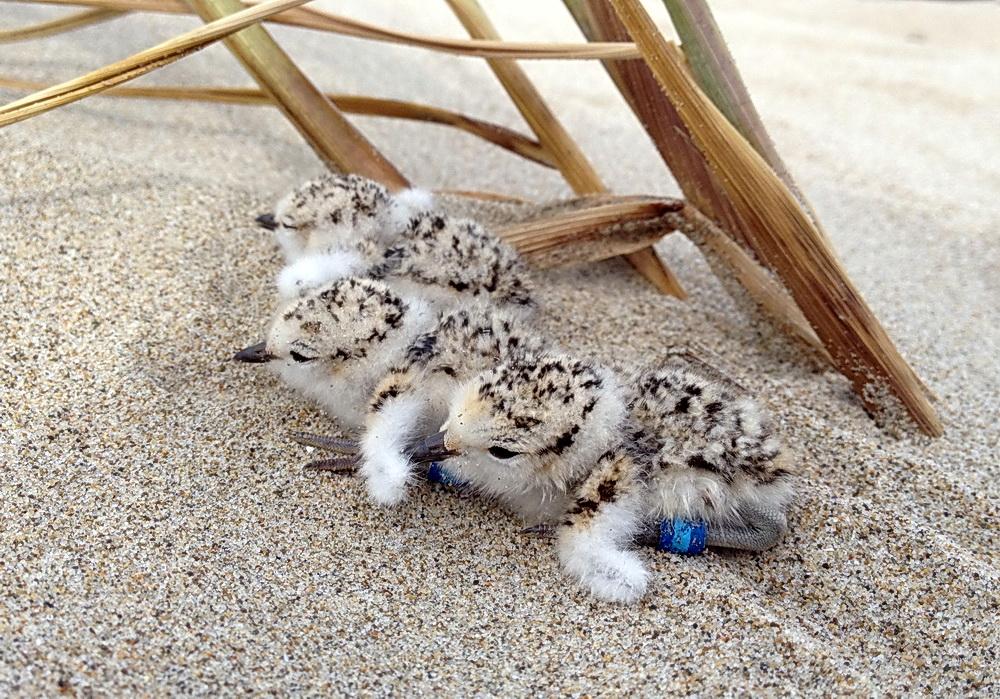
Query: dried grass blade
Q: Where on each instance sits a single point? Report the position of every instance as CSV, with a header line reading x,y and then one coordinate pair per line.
x,y
608,227
501,136
480,47
483,196
714,69
59,25
325,129
597,20
675,145
139,64
570,160
758,281
785,237
496,134
309,18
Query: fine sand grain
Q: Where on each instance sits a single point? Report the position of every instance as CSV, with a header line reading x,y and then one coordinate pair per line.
x,y
158,535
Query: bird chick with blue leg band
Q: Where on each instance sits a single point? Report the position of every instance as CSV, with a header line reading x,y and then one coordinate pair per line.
x,y
385,364
678,458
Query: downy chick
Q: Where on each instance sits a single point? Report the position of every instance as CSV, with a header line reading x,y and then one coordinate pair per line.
x,y
336,342
560,440
543,436
384,362
339,226
334,210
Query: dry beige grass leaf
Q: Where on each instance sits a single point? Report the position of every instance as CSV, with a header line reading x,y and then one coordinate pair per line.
x,y
568,156
595,228
310,18
785,237
139,64
70,22
331,135
496,134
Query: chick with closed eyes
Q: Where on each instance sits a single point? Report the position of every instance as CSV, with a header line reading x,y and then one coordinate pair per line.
x,y
335,210
385,363
340,226
335,343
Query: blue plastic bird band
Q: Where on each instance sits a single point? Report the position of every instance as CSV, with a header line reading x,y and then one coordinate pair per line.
x,y
439,474
682,535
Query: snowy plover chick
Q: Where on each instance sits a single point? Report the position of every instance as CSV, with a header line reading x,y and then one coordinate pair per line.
x,y
329,228
560,441
335,210
340,226
336,342
542,435
711,454
375,358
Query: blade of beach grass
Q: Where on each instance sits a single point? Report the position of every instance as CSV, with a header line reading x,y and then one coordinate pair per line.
x,y
597,20
138,64
708,203
786,239
84,18
500,136
760,284
498,197
321,124
675,145
309,18
715,71
570,160
608,227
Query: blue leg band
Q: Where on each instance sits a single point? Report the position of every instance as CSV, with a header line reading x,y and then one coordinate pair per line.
x,y
438,474
682,535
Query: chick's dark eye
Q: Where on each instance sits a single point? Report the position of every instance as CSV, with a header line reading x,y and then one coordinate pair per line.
x,y
300,357
501,453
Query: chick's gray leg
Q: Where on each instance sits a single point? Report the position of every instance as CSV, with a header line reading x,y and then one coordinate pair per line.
x,y
335,444
761,528
393,423
595,533
346,463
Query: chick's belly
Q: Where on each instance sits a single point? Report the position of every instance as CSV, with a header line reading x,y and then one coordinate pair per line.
x,y
343,396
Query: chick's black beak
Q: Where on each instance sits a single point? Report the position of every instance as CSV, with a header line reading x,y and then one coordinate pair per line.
x,y
267,221
254,354
431,448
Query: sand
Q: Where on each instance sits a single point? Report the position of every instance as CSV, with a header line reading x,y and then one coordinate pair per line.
x,y
157,533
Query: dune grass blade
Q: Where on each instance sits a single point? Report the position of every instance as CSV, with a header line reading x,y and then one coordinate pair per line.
x,y
570,160
608,227
714,69
785,238
673,141
349,104
597,20
484,196
309,18
322,125
759,283
76,20
669,134
138,64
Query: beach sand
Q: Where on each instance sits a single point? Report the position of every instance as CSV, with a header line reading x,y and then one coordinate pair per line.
x,y
157,532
